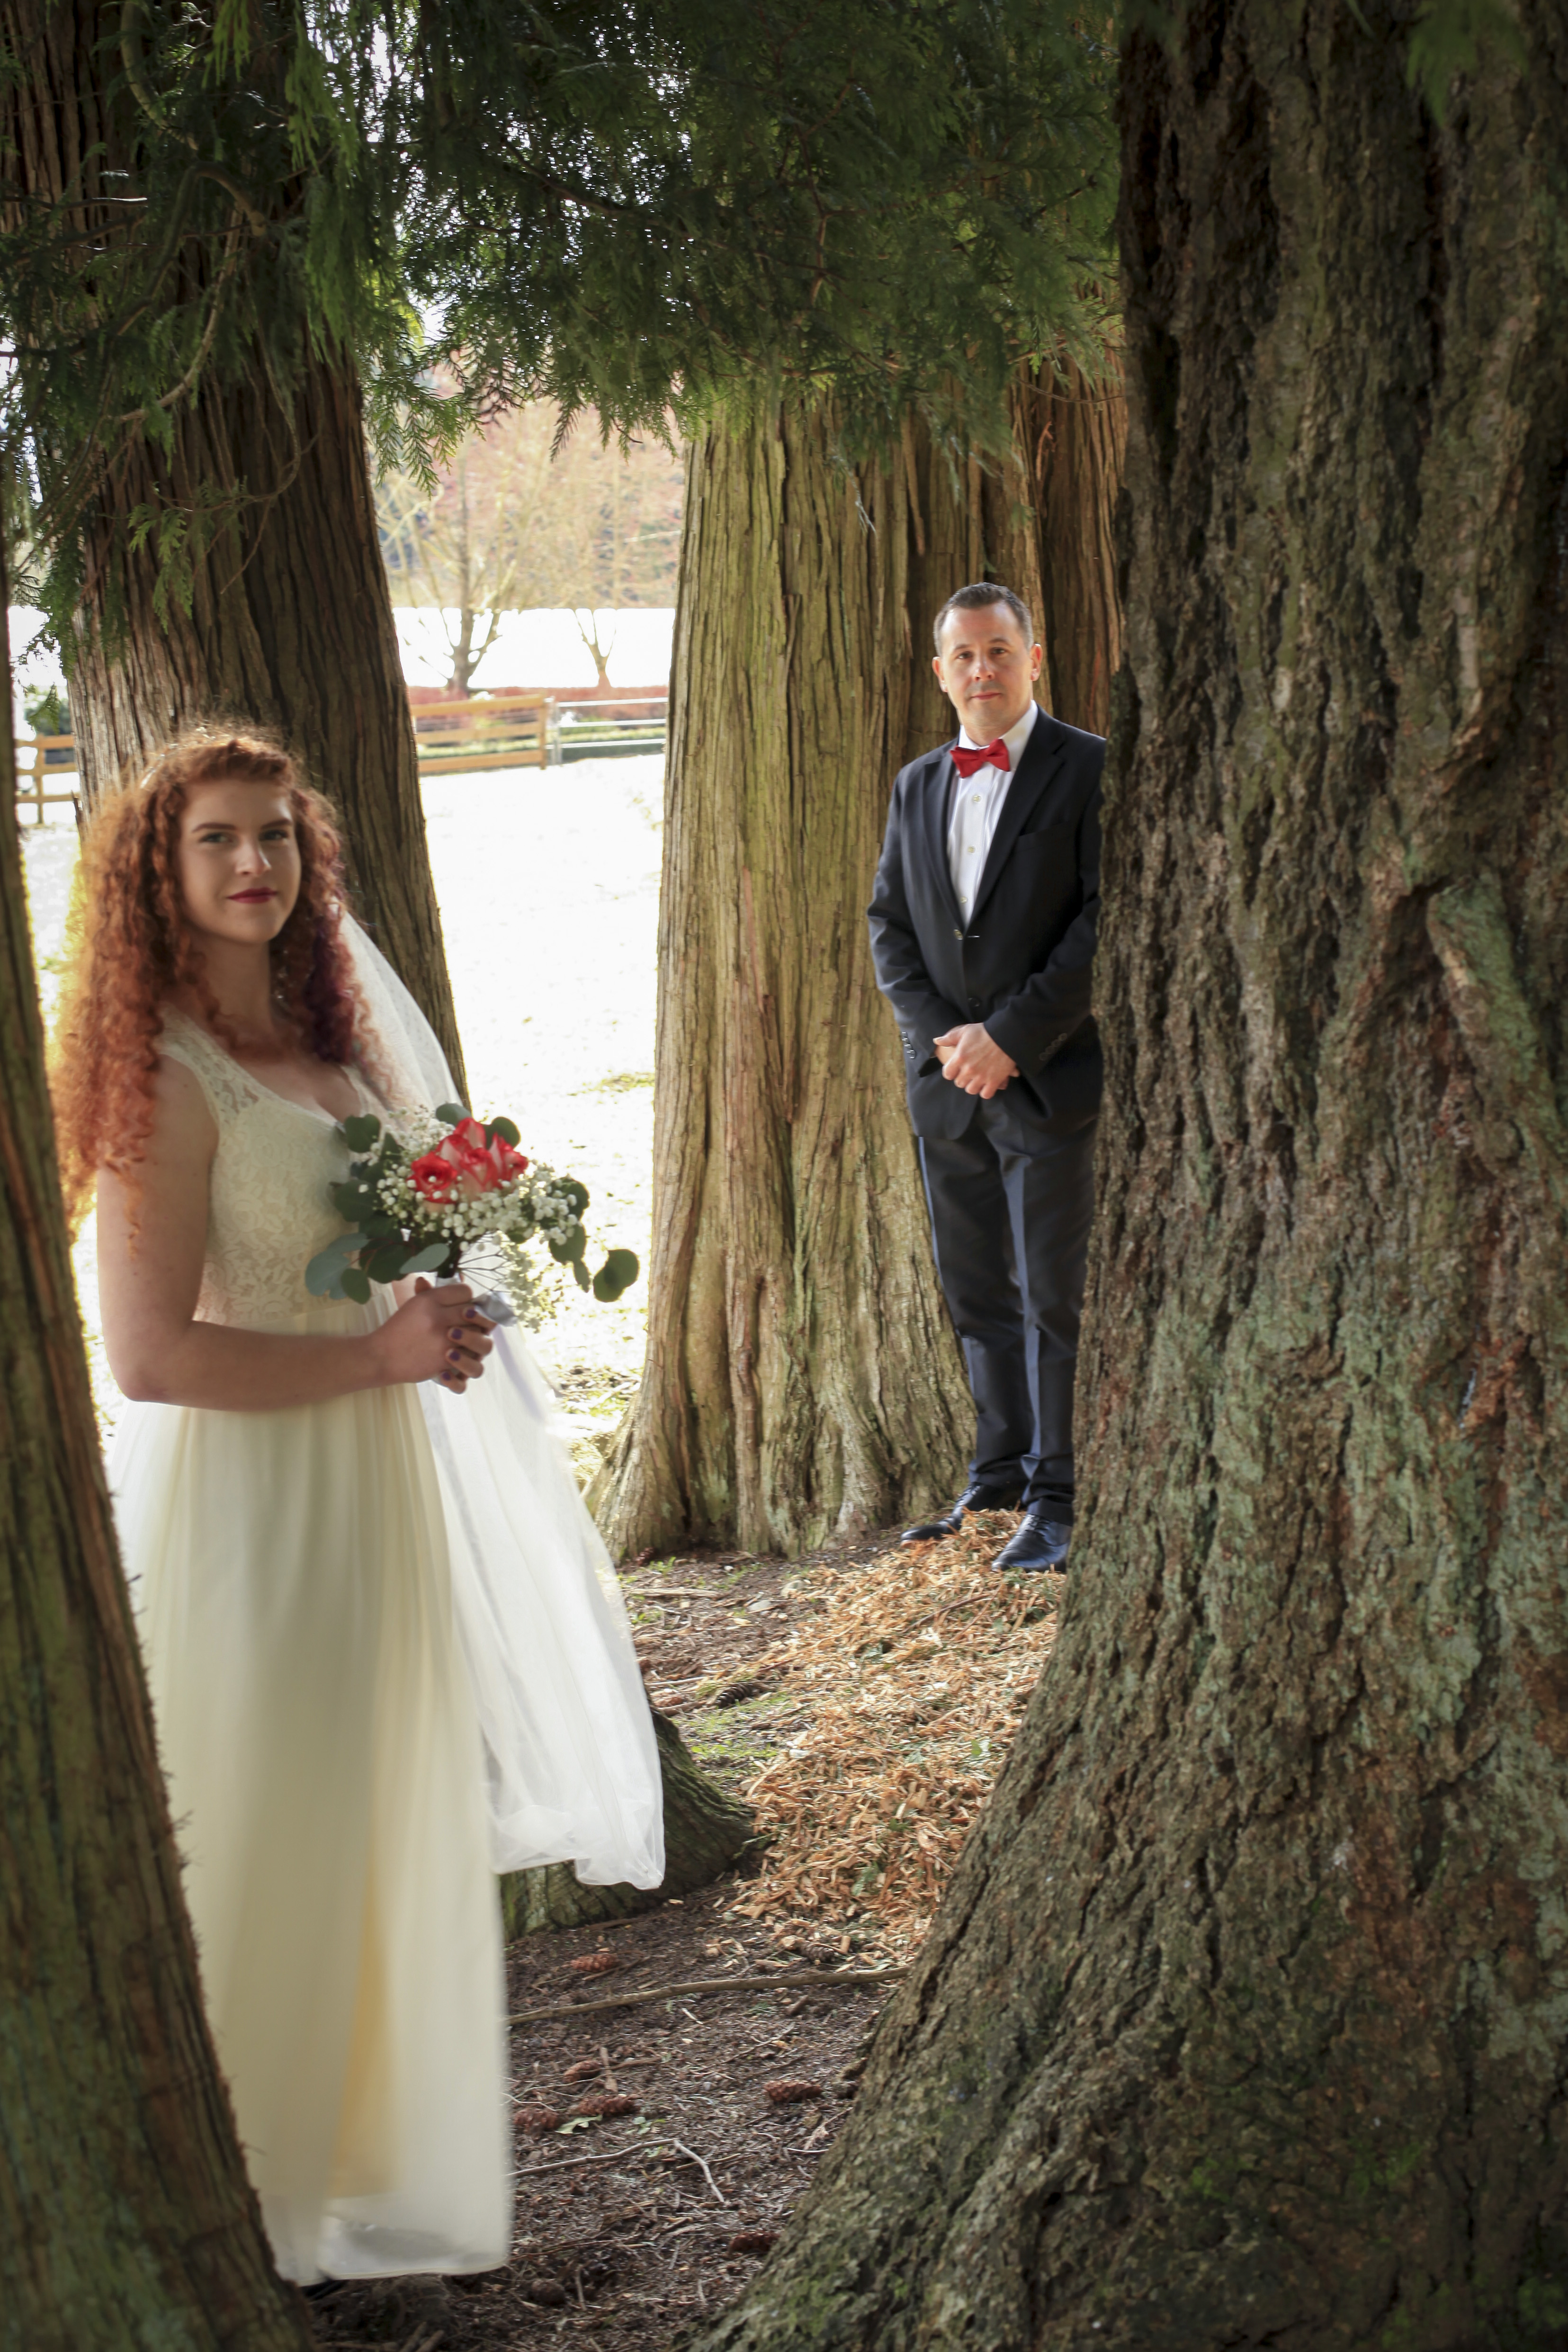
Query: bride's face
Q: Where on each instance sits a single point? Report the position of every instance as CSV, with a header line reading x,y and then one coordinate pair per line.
x,y
239,862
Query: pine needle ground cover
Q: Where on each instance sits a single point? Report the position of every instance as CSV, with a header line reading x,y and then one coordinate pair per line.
x,y
910,1673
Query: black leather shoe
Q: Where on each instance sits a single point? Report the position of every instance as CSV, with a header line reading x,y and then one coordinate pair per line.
x,y
1041,1543
973,1498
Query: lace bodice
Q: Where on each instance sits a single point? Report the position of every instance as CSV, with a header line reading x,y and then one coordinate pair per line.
x,y
267,1211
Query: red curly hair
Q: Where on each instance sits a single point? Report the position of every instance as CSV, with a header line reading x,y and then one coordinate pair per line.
x,y
133,950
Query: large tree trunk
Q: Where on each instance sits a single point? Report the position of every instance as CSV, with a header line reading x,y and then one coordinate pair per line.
x,y
126,2221
1073,430
290,621
802,1379
1243,2023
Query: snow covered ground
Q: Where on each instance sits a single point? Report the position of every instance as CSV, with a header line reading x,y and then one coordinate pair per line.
x,y
542,649
549,884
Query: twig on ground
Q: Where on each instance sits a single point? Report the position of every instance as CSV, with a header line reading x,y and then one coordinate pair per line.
x,y
674,1591
703,2162
816,1979
610,2155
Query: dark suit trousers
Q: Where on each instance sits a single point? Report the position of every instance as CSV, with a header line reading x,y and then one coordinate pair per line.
x,y
1010,1209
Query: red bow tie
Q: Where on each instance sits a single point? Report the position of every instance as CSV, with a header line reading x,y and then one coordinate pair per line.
x,y
995,755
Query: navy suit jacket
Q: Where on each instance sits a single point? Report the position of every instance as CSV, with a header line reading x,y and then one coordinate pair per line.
x,y
1023,962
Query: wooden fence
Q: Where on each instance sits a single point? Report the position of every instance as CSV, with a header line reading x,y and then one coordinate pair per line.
x,y
502,730
35,770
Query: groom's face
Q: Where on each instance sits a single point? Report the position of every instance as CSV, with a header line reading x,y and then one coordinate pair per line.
x,y
986,670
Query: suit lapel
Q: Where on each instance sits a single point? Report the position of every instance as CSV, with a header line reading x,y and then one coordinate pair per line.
x,y
1041,755
939,798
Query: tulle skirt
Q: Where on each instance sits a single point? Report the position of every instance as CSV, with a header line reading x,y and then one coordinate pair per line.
x,y
327,1776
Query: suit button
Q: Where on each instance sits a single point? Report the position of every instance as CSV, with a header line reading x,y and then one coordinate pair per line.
x,y
974,1003
957,935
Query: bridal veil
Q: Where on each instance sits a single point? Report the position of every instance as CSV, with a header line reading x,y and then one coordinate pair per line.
x,y
571,1764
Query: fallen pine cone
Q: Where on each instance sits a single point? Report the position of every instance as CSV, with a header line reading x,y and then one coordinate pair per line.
x,y
753,2241
785,2094
594,1964
539,2119
733,1694
607,2103
547,2291
583,2068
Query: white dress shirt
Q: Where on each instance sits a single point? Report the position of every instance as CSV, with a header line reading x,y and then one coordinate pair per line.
x,y
977,805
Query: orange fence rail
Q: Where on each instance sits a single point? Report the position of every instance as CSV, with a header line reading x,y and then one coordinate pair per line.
x,y
499,731
35,772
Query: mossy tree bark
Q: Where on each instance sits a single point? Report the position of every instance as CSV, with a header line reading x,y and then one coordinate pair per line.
x,y
1243,2021
707,1831
288,622
126,2221
802,1379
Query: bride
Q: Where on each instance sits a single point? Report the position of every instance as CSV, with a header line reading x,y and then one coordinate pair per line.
x,y
386,1655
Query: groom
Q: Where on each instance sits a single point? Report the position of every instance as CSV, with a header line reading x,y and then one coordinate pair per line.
x,y
982,931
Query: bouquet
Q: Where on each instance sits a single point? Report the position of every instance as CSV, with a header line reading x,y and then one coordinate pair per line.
x,y
420,1196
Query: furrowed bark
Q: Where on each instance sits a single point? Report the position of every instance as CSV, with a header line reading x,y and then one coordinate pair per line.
x,y
289,622
291,626
126,2221
1242,2022
1074,432
801,1379
707,1832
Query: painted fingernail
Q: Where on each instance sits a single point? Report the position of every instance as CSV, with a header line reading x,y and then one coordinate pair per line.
x,y
453,1355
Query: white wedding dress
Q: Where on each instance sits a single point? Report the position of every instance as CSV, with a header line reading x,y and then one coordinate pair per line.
x,y
386,1659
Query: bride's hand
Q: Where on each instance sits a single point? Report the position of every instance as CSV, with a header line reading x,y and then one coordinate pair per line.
x,y
436,1334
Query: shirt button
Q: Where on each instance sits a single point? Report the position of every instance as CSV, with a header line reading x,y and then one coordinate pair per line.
x,y
975,798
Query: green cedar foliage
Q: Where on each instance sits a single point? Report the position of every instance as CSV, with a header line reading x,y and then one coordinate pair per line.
x,y
665,203
647,207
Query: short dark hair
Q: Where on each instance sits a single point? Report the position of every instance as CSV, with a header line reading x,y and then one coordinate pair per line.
x,y
974,597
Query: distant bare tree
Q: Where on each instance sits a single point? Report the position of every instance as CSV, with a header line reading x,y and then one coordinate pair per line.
x,y
512,522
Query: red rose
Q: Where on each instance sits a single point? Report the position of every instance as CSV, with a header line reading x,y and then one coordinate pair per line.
x,y
434,1178
463,1165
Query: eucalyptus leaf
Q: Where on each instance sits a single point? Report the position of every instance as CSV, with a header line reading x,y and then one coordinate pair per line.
x,y
386,1260
567,1248
324,1275
618,1273
360,1132
428,1259
357,1286
579,1274
450,1113
508,1130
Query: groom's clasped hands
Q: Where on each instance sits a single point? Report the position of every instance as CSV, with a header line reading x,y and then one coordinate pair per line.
x,y
972,1059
